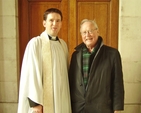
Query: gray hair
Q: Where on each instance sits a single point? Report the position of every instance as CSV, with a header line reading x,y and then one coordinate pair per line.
x,y
87,20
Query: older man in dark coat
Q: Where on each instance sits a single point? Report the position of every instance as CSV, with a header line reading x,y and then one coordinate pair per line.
x,y
95,74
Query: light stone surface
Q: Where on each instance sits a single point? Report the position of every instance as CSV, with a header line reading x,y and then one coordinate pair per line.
x,y
130,49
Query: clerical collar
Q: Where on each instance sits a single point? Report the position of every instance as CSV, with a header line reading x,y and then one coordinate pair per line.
x,y
53,39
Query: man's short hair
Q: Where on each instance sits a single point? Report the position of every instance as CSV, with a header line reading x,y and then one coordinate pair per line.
x,y
52,10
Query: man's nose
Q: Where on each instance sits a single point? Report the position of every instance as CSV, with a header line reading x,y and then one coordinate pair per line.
x,y
87,33
54,22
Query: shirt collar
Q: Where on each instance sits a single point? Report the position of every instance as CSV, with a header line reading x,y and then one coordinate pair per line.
x,y
50,38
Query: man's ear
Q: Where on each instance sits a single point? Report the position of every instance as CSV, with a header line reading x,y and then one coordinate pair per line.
x,y
98,32
44,23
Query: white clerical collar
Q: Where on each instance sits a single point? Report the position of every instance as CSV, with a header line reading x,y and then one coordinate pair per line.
x,y
53,38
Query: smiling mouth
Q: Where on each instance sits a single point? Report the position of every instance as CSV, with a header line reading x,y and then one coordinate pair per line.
x,y
89,39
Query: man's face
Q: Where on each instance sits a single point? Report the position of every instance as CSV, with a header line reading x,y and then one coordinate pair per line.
x,y
89,34
52,24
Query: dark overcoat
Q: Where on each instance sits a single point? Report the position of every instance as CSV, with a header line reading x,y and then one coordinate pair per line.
x,y
105,90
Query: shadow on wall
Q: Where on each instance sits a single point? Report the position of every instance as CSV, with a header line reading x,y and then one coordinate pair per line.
x,y
1,57
1,45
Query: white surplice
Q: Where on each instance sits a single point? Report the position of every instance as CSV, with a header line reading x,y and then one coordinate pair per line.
x,y
32,83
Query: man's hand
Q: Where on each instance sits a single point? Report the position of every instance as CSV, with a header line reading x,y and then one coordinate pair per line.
x,y
37,109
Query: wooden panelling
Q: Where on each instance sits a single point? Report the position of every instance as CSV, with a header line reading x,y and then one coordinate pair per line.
x,y
36,11
23,27
98,11
114,16
72,26
44,0
93,0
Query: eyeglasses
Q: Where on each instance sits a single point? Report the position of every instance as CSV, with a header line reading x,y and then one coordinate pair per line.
x,y
89,32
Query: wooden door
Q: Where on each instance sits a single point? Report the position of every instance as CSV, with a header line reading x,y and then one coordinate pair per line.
x,y
104,12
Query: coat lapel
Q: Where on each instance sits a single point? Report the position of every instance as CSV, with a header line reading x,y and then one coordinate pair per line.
x,y
79,60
